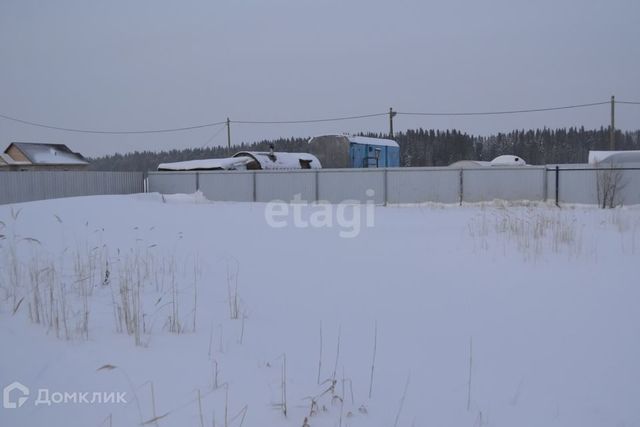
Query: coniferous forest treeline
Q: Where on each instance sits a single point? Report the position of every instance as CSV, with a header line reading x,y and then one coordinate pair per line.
x,y
419,147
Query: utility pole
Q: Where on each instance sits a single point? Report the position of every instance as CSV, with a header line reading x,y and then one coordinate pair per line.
x,y
229,133
612,130
392,114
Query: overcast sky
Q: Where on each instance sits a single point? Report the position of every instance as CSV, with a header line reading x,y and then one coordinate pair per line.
x,y
151,64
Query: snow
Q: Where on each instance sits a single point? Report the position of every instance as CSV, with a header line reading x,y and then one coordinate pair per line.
x,y
364,140
617,157
548,297
242,159
50,154
503,160
469,164
372,141
281,160
204,164
508,160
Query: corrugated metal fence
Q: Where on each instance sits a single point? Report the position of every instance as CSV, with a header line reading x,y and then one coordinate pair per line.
x,y
382,186
16,187
406,185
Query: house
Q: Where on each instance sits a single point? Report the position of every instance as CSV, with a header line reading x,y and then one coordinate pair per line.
x,y
248,160
27,156
346,151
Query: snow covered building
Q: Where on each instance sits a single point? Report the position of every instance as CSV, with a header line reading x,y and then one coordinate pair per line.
x,y
504,160
27,156
346,151
248,160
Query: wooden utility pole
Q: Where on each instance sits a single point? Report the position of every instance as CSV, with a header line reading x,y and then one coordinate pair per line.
x,y
612,129
392,114
229,132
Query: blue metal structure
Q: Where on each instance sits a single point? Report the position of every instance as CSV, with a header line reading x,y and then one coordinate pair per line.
x,y
346,151
373,152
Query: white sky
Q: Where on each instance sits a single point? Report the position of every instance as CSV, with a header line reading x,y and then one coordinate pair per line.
x,y
149,64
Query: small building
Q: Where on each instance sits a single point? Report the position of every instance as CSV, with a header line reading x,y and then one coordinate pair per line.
x,y
27,156
248,160
346,151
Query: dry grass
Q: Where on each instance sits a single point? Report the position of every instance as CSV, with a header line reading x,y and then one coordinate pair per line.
x,y
57,287
532,231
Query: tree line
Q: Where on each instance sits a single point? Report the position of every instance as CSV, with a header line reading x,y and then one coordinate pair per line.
x,y
419,147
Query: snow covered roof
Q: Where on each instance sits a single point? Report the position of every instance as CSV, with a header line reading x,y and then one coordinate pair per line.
x,y
508,160
228,163
469,164
281,160
629,156
243,160
50,154
504,160
364,140
372,141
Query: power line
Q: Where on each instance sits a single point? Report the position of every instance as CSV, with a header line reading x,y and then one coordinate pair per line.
x,y
320,120
213,136
495,113
281,122
110,132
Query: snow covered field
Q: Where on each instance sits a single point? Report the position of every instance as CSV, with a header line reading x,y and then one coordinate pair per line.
x,y
204,315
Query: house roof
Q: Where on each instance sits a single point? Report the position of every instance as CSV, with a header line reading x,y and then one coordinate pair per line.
x,y
49,154
6,159
363,140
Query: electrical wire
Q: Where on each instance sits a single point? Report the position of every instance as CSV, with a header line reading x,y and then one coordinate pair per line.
x,y
213,136
110,132
321,120
281,122
495,113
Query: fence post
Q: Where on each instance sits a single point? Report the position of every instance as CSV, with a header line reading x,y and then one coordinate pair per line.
x,y
461,190
197,181
545,190
255,195
557,185
386,186
317,174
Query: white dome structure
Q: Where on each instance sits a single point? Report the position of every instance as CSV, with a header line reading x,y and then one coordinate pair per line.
x,y
508,160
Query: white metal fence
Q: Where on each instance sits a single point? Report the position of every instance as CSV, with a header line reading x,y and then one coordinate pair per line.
x,y
405,185
26,186
574,184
